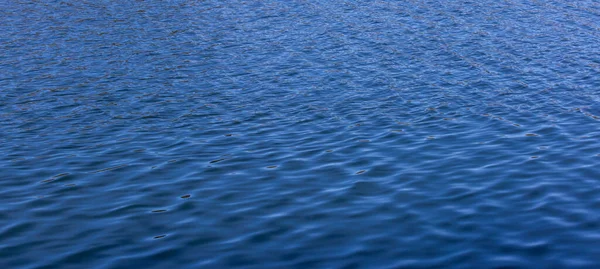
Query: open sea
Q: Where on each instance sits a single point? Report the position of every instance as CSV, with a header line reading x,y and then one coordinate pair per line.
x,y
299,134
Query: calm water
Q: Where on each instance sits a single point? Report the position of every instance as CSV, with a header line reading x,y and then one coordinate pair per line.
x,y
299,134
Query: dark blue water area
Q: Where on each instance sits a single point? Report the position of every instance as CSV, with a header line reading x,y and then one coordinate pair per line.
x,y
300,134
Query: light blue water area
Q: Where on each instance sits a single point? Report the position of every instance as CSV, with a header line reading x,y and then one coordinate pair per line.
x,y
299,134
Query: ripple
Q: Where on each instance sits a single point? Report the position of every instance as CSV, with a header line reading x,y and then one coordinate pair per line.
x,y
159,211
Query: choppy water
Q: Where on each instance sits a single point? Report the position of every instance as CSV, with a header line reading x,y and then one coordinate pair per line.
x,y
299,134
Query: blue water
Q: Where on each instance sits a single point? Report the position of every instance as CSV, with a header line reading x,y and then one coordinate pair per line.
x,y
299,134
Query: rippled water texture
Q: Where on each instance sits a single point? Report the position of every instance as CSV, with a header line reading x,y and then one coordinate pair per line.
x,y
299,134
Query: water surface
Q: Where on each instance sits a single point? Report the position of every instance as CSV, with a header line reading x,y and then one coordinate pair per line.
x,y
299,134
